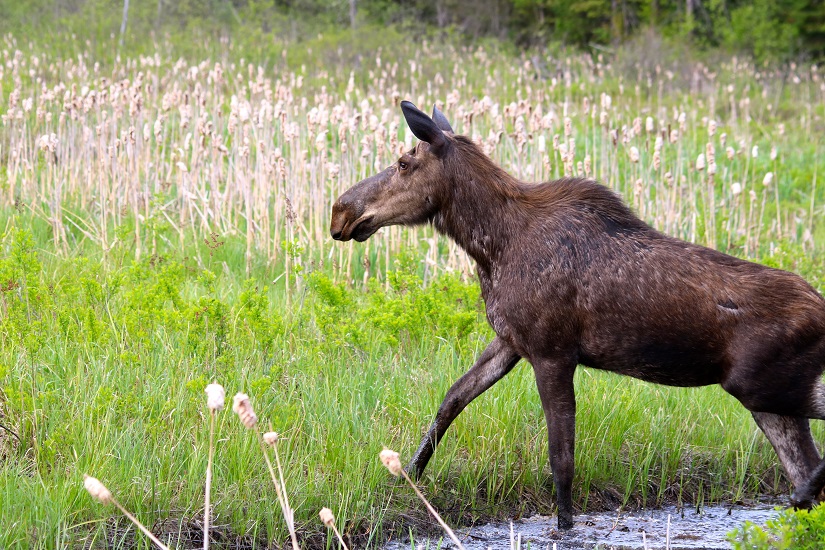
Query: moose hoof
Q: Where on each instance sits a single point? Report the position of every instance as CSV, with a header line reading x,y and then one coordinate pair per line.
x,y
565,523
803,500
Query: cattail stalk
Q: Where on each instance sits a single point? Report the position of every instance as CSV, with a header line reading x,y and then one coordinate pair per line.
x,y
329,520
206,504
280,486
214,400
393,464
101,493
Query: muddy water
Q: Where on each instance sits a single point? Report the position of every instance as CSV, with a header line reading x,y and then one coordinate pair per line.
x,y
669,527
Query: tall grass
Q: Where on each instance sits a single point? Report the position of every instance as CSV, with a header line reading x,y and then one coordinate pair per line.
x,y
164,224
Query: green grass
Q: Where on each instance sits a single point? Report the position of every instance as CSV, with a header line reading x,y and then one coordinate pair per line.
x,y
103,367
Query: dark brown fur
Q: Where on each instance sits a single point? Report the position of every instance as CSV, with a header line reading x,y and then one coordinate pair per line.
x,y
571,276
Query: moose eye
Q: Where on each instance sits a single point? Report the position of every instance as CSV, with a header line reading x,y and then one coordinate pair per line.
x,y
402,165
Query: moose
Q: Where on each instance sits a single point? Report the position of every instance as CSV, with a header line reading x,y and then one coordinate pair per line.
x,y
571,276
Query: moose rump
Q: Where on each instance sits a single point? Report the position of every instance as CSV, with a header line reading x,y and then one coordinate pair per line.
x,y
570,276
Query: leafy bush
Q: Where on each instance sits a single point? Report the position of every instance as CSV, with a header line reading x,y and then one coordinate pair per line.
x,y
406,311
797,529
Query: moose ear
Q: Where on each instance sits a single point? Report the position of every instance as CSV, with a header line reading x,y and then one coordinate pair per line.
x,y
423,127
441,121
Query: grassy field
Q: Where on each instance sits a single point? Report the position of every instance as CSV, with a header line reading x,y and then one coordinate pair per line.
x,y
164,225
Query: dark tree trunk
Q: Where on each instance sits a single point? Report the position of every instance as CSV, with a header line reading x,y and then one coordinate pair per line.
x,y
124,20
353,12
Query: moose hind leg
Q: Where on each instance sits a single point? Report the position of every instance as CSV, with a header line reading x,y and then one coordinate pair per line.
x,y
807,493
791,438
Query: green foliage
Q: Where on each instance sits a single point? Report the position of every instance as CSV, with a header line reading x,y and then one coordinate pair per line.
x,y
766,29
411,310
407,311
793,257
793,529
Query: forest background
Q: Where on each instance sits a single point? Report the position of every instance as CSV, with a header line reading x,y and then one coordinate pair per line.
x,y
765,29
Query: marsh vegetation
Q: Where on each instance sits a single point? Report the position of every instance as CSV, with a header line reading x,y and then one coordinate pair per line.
x,y
163,225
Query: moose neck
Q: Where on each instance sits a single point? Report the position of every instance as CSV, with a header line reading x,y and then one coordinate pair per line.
x,y
482,214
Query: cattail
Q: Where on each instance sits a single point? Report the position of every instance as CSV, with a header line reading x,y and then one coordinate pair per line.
x,y
101,493
321,141
657,160
674,135
649,125
97,489
243,408
773,153
215,395
326,517
736,188
568,127
329,520
755,151
711,127
730,152
700,162
711,168
603,118
768,179
271,438
723,138
391,461
634,155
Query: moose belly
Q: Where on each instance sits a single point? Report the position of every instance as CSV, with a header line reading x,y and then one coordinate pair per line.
x,y
670,363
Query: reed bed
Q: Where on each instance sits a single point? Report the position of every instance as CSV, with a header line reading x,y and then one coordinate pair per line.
x,y
213,148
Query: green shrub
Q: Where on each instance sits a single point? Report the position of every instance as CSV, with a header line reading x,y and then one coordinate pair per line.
x,y
797,529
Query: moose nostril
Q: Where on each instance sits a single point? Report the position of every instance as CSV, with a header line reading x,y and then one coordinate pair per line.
x,y
336,234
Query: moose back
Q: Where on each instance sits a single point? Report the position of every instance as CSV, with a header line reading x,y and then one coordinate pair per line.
x,y
570,276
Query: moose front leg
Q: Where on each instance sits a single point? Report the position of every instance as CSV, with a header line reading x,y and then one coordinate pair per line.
x,y
555,384
495,362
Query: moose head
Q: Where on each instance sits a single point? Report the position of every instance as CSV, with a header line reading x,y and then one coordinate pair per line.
x,y
409,192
